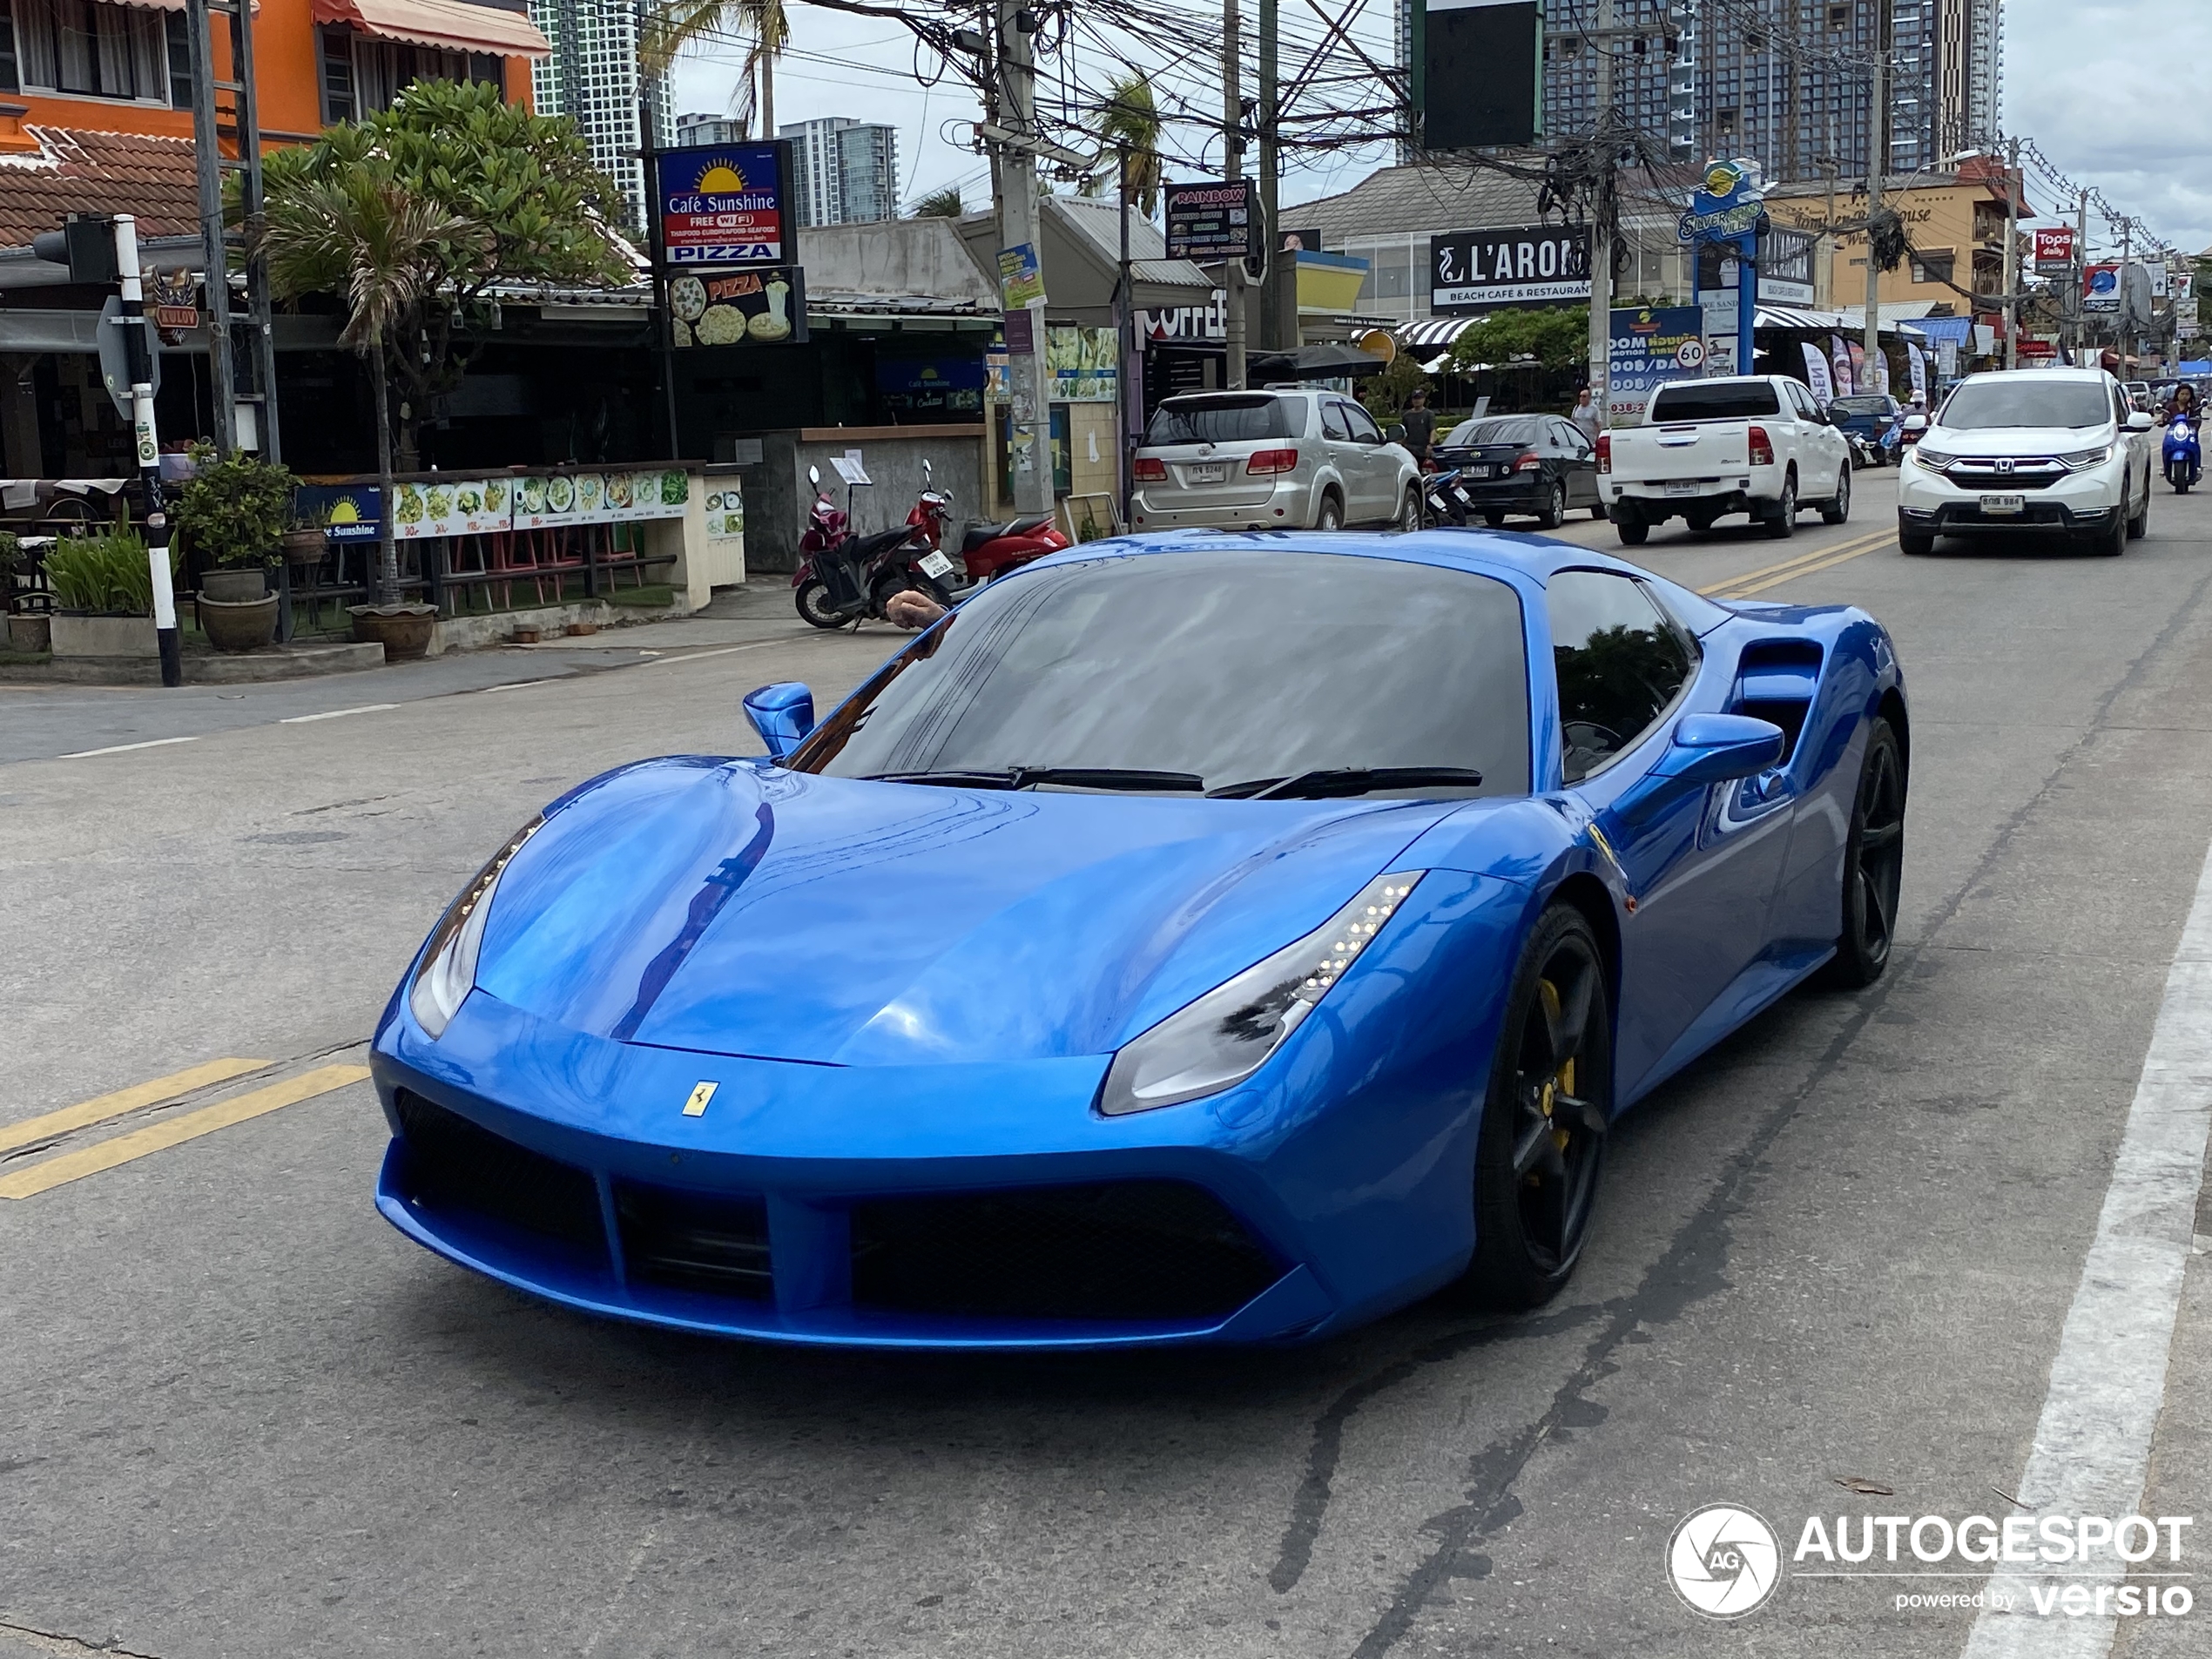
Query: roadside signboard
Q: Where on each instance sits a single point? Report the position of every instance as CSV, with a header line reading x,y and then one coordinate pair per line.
x,y
1478,71
2054,248
1021,278
1473,272
761,308
1213,221
724,204
1727,210
2101,287
1649,347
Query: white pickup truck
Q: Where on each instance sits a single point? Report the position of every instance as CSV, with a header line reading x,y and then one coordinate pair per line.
x,y
1754,443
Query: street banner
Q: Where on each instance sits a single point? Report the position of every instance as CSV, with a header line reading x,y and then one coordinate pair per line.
x,y
1473,272
1021,278
1817,376
1839,359
2101,287
1649,347
1210,222
2054,248
1882,372
1919,364
723,204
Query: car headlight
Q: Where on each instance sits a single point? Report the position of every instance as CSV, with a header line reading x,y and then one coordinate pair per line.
x,y
448,970
1934,460
2081,458
1228,1034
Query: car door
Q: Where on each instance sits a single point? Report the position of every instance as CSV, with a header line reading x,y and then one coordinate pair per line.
x,y
1701,863
1344,458
1818,461
1378,464
1577,462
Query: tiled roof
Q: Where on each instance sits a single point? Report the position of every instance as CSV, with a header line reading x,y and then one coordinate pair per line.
x,y
76,172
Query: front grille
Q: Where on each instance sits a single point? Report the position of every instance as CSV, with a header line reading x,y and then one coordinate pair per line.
x,y
2038,472
1116,1250
709,1242
453,1164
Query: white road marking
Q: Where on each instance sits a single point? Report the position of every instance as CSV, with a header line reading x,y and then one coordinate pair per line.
x,y
125,748
664,662
335,714
2091,1455
515,685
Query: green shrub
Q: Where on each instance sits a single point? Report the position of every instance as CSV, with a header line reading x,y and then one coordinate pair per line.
x,y
235,511
108,573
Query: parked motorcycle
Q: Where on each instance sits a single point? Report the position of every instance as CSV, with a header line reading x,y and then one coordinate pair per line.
x,y
843,578
1447,503
2182,453
986,550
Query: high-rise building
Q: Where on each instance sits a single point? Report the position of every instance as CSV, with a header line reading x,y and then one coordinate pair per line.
x,y
692,130
593,76
1786,82
846,171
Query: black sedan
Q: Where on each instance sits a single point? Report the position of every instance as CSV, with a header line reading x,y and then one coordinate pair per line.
x,y
1536,464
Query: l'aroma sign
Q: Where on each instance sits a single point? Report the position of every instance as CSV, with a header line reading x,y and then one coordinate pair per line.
x,y
1472,272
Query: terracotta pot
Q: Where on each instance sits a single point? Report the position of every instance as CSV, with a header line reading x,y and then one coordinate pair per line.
x,y
403,630
526,636
235,584
303,547
580,628
31,633
250,626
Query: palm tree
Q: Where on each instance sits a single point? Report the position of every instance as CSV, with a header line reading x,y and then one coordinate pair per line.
x,y
941,202
384,248
670,25
1129,122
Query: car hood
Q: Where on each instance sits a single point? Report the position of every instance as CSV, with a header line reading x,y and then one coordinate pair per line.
x,y
735,909
2015,440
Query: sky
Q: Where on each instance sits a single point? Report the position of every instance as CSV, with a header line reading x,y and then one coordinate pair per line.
x,y
2089,80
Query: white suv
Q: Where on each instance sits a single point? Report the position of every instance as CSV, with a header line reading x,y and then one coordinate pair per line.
x,y
2055,451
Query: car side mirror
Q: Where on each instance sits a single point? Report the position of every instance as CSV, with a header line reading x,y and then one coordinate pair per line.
x,y
1720,748
926,474
1916,423
782,714
2139,422
1395,433
814,476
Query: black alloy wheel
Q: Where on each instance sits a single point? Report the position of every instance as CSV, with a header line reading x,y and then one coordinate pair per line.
x,y
1542,1144
1873,863
1553,513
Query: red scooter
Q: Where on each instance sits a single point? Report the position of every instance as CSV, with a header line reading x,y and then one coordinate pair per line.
x,y
986,550
843,578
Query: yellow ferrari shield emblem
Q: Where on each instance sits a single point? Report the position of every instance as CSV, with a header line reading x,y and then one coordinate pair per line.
x,y
701,1093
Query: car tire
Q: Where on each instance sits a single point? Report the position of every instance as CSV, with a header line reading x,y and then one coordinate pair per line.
x,y
1598,514
1633,532
1553,514
2111,543
1782,521
1837,509
1409,511
1917,543
1551,1075
1331,514
1873,864
813,599
2139,526
1699,523
1494,520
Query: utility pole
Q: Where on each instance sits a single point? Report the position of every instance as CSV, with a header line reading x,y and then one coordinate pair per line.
x,y
214,249
2126,320
2081,269
1600,241
2012,266
1232,169
1030,427
139,349
1274,333
1878,160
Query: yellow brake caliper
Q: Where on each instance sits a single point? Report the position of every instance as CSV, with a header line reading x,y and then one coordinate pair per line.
x,y
1562,1080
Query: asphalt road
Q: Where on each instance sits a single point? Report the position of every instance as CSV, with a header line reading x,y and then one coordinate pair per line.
x,y
244,1417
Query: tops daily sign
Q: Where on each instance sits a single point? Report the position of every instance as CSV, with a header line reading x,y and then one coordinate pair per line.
x,y
1526,264
723,204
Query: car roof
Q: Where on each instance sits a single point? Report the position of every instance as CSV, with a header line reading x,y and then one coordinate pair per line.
x,y
2052,373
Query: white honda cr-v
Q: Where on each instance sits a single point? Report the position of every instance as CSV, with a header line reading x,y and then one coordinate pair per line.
x,y
2053,451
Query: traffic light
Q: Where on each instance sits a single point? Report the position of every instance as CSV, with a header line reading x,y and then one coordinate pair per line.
x,y
85,243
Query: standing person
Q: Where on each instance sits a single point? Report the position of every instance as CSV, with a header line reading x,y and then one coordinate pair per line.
x,y
1419,422
1585,416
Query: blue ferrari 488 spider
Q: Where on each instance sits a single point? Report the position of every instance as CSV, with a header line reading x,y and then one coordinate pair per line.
x,y
1220,938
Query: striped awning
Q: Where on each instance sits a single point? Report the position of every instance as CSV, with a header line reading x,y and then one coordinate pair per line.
x,y
1433,333
1834,322
452,23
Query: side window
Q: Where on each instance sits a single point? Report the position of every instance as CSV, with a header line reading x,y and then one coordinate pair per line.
x,y
1364,429
1568,439
1620,663
1800,405
1332,421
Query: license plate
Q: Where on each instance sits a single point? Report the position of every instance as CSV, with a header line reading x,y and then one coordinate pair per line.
x,y
1210,472
1687,487
936,564
2002,506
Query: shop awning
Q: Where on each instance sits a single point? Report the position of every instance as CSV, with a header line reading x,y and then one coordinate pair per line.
x,y
1433,333
453,24
171,5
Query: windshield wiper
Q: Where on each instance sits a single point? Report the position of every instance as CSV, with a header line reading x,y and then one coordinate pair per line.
x,y
1336,781
1029,777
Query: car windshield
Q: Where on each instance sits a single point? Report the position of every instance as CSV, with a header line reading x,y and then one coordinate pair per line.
x,y
1229,665
1862,405
1714,400
1517,429
1233,419
2009,400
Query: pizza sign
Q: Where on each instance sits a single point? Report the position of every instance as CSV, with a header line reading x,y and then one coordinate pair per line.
x,y
723,204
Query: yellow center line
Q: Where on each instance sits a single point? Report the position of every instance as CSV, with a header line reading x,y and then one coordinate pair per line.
x,y
155,1138
34,1130
1743,592
1790,566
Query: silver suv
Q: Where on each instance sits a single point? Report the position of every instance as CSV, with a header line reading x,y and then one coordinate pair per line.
x,y
1276,459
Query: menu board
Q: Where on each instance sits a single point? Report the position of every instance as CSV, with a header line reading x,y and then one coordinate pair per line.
x,y
452,507
543,501
724,511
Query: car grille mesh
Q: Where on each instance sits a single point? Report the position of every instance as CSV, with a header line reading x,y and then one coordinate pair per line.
x,y
1113,1251
713,1243
453,1164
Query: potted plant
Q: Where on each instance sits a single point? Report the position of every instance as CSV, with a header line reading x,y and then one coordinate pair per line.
x,y
102,588
233,513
